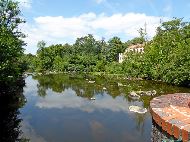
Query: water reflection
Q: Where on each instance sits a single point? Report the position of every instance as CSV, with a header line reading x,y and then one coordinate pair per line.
x,y
80,84
29,132
11,99
59,109
68,99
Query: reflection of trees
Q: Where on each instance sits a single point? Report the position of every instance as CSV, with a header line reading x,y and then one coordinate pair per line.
x,y
139,119
41,90
10,102
60,82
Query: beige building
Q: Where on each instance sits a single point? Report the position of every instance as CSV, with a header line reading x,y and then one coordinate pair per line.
x,y
137,48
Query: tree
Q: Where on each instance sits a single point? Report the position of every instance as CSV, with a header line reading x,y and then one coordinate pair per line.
x,y
167,56
43,58
41,45
10,41
115,46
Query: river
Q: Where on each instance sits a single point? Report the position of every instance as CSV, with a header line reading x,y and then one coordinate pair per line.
x,y
66,108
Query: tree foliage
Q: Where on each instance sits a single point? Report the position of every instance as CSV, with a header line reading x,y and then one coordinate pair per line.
x,y
11,42
168,54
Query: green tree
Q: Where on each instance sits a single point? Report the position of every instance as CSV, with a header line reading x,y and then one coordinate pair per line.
x,y
115,46
167,56
10,41
41,45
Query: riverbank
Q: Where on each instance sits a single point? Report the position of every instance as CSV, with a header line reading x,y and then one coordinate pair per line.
x,y
105,75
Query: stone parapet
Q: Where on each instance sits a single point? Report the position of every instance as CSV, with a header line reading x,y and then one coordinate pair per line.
x,y
172,113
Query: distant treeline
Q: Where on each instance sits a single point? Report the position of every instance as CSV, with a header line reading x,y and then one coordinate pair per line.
x,y
85,55
166,57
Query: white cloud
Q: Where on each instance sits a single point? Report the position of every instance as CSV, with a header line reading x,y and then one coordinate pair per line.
x,y
25,3
100,1
62,29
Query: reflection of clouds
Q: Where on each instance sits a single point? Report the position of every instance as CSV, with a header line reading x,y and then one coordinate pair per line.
x,y
66,99
29,133
30,88
69,99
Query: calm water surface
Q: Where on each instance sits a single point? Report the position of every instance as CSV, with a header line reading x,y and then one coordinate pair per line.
x,y
59,109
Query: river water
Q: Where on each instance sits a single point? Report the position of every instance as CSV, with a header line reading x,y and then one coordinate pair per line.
x,y
59,108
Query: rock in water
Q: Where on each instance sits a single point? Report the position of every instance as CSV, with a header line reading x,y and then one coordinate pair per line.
x,y
154,92
134,95
137,109
119,84
91,81
92,98
149,93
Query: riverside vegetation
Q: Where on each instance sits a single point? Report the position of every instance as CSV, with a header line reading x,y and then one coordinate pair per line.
x,y
166,57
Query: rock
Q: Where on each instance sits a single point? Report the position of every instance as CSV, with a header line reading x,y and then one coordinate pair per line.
x,y
154,92
29,73
137,109
91,81
134,95
119,84
92,98
24,75
104,88
147,93
141,93
151,93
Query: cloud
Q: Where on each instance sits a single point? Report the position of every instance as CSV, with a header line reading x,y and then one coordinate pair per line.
x,y
61,29
100,1
25,3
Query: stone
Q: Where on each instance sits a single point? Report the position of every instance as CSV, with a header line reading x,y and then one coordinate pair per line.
x,y
92,98
91,81
104,88
154,92
147,93
172,113
134,95
137,109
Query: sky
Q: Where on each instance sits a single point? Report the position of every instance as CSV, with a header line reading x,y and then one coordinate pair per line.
x,y
63,21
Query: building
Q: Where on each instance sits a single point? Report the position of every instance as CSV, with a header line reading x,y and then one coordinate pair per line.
x,y
137,48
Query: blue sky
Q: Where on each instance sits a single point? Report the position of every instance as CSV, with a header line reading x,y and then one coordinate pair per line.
x,y
62,21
